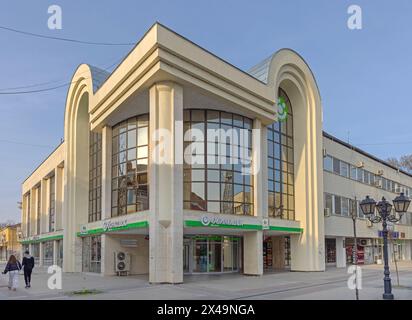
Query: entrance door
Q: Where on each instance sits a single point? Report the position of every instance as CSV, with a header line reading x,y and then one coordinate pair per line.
x,y
215,257
200,256
186,258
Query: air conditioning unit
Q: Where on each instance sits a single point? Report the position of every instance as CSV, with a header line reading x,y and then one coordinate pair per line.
x,y
378,183
327,212
365,242
324,153
369,224
121,262
379,172
360,164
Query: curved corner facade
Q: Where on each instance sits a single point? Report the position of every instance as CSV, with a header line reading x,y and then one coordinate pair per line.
x,y
139,175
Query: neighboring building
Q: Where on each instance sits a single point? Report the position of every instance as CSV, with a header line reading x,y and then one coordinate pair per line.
x,y
102,191
9,242
349,175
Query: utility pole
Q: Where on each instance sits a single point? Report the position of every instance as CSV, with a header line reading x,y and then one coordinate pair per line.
x,y
355,247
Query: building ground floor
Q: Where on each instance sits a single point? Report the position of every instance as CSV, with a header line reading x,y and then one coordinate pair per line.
x,y
125,249
123,253
340,250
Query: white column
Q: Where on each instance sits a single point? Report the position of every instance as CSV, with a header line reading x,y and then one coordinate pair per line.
x,y
253,253
55,252
106,172
58,185
43,206
40,254
166,185
260,161
340,252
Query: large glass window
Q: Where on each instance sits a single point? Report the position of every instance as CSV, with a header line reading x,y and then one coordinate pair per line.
x,y
280,166
217,152
91,252
52,204
130,191
38,210
47,253
328,202
328,163
27,198
95,177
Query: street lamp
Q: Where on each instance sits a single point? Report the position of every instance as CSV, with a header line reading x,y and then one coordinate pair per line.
x,y
384,208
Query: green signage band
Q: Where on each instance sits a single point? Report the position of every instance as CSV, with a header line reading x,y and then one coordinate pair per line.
x,y
194,223
51,238
134,225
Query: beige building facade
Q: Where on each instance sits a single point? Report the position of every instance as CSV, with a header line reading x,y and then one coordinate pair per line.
x,y
9,241
349,175
140,187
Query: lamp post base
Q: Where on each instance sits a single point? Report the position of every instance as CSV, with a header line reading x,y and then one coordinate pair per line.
x,y
387,296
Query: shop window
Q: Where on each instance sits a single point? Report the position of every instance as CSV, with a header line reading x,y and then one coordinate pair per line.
x,y
47,253
330,250
91,254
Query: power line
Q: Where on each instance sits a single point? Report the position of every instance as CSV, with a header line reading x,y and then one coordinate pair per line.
x,y
66,39
45,89
35,91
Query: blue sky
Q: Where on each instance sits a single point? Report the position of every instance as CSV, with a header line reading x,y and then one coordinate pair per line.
x,y
363,76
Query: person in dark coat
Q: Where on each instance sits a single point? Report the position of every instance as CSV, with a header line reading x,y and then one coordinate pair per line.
x,y
13,267
28,264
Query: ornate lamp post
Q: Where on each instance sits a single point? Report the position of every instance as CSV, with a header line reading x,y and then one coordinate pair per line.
x,y
384,208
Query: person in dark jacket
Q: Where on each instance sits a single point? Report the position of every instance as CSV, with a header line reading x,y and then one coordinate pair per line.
x,y
13,267
28,264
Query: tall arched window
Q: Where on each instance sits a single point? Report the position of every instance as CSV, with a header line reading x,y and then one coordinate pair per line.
x,y
280,165
95,176
130,192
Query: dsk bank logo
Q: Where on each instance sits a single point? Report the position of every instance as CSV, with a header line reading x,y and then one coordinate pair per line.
x,y
282,110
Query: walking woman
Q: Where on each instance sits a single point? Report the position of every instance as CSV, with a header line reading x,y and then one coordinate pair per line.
x,y
13,267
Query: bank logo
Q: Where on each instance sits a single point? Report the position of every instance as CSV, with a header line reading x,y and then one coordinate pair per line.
x,y
282,110
205,220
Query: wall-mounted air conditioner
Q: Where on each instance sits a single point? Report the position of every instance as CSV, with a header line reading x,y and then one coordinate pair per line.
x,y
379,172
327,212
369,224
121,262
324,153
360,164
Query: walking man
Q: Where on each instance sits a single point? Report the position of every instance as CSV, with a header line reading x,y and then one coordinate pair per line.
x,y
28,264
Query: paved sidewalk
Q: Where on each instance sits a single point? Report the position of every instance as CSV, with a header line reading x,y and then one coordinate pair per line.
x,y
331,284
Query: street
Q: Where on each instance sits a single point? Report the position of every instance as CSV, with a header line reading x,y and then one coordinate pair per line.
x,y
331,284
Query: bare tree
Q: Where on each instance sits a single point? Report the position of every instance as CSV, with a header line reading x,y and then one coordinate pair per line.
x,y
404,162
394,162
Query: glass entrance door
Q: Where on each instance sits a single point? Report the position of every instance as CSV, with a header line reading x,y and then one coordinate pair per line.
x,y
200,256
186,257
211,254
215,257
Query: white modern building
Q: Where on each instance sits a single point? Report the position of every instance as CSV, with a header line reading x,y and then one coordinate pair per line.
x,y
103,202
